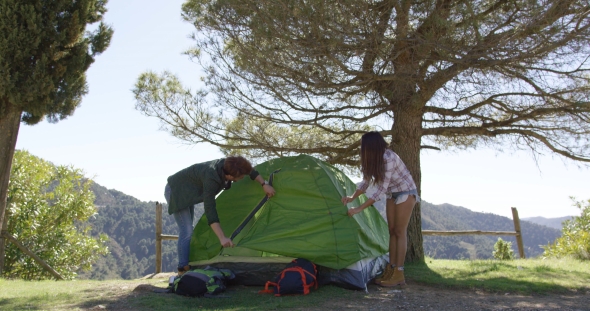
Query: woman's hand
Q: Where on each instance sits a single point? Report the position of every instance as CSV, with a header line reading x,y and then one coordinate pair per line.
x,y
346,200
354,211
269,190
226,242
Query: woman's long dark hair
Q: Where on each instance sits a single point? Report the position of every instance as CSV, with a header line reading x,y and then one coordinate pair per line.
x,y
372,165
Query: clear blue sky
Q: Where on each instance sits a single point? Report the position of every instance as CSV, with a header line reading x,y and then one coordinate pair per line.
x,y
121,149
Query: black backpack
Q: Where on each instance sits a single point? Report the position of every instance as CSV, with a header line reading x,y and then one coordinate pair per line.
x,y
201,282
297,278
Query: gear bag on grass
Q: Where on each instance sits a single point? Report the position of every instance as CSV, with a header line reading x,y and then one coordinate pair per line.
x,y
202,282
297,278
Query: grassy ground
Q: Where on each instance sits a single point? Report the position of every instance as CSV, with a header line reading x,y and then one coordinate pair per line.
x,y
121,295
528,277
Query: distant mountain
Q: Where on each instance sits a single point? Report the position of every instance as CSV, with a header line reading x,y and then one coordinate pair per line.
x,y
556,223
130,225
449,217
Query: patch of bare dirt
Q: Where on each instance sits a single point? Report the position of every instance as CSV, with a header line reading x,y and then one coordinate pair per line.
x,y
420,297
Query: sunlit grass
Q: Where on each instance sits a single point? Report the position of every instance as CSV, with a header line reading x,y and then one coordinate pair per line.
x,y
120,294
61,295
525,276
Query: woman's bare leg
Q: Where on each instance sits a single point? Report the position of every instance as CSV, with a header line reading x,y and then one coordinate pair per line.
x,y
390,213
398,218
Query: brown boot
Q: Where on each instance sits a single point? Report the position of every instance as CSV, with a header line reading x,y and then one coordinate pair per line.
x,y
182,270
397,278
386,274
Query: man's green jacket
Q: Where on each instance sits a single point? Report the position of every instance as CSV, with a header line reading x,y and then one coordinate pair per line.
x,y
198,183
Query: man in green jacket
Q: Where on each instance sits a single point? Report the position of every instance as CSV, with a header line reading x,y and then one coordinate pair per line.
x,y
201,182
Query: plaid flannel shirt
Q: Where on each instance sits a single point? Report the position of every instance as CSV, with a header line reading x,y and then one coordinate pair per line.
x,y
397,177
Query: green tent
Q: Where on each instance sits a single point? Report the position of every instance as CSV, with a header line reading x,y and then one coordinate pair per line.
x,y
305,219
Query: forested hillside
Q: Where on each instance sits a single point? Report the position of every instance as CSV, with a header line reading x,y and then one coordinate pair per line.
x,y
130,225
449,217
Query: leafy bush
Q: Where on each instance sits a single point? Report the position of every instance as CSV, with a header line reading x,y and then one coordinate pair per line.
x,y
48,210
503,250
575,236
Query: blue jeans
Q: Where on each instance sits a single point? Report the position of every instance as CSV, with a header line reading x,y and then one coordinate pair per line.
x,y
184,220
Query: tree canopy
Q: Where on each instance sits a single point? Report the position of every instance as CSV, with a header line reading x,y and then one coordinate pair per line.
x,y
48,208
45,51
425,73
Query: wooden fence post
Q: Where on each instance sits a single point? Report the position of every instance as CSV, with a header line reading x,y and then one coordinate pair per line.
x,y
518,232
158,237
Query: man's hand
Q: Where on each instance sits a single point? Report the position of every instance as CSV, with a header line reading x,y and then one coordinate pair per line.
x,y
226,242
269,190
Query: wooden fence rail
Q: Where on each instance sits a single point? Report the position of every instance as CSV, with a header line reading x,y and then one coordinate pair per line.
x,y
38,259
468,232
7,237
516,233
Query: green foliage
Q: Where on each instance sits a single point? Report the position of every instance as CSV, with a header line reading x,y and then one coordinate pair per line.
x,y
45,51
503,250
188,116
48,210
283,140
575,236
118,221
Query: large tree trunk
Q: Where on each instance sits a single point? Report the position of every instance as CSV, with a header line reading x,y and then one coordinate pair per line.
x,y
405,142
9,125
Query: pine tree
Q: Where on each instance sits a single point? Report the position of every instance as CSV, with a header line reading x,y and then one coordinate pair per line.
x,y
45,50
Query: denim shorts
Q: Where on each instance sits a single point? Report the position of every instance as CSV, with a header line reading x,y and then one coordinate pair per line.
x,y
402,196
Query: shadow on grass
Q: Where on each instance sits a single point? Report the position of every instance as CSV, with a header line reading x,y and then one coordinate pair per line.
x,y
537,280
141,296
40,301
19,304
235,298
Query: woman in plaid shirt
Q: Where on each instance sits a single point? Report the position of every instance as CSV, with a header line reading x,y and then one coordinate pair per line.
x,y
388,173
